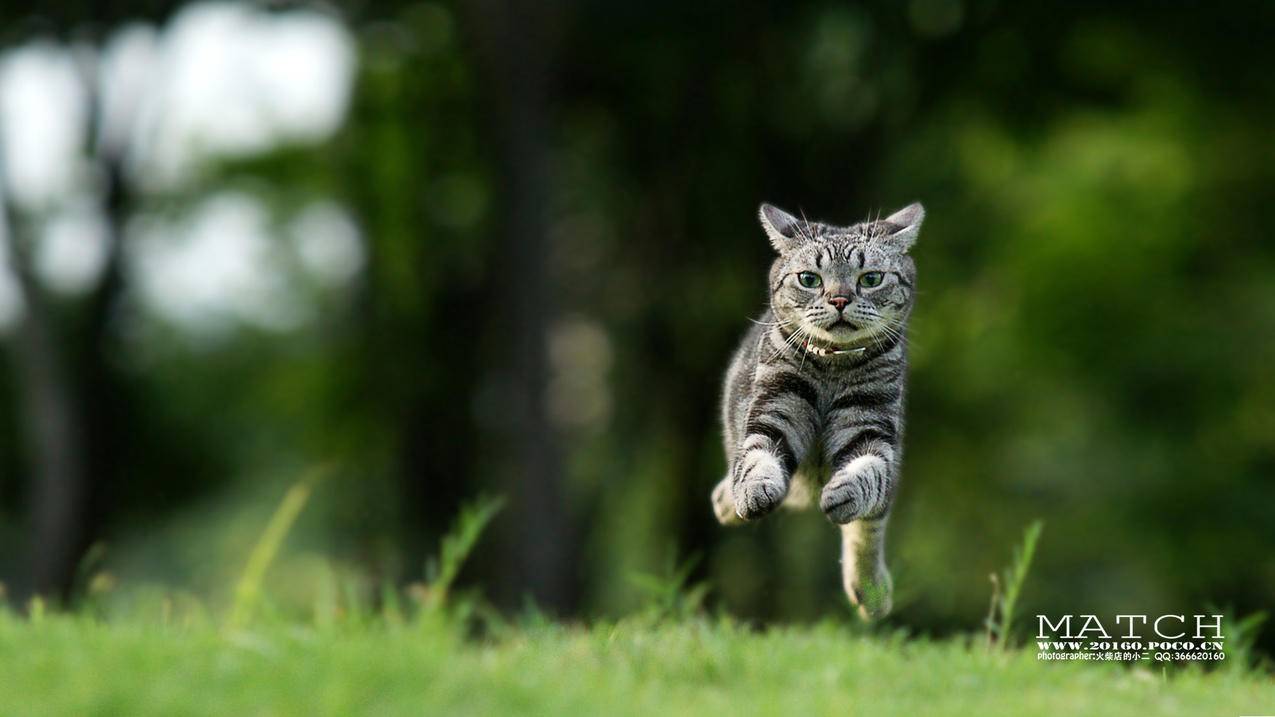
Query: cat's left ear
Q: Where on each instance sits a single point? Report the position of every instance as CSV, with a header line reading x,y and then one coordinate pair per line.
x,y
902,227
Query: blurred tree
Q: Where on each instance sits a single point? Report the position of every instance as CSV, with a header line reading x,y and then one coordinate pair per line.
x,y
516,45
74,403
557,205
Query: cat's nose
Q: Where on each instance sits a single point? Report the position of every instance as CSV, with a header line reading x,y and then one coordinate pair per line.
x,y
840,302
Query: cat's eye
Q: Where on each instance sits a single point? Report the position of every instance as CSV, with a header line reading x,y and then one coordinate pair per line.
x,y
871,279
809,279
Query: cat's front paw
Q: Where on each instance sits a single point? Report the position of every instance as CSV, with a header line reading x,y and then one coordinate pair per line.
x,y
760,488
856,491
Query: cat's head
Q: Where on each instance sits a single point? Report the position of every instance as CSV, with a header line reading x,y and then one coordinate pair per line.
x,y
842,286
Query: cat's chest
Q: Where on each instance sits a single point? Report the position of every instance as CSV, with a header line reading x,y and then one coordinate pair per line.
x,y
832,386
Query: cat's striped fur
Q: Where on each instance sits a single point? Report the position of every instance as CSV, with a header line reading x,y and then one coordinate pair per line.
x,y
814,395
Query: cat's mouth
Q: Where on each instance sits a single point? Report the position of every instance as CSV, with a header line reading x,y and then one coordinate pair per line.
x,y
837,333
843,325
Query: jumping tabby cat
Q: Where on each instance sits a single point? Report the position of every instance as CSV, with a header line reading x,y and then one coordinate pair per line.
x,y
814,394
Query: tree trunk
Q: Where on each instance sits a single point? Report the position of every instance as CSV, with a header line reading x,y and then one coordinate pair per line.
x,y
51,433
69,402
515,42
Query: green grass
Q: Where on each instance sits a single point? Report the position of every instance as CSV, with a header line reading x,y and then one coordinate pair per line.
x,y
63,665
411,657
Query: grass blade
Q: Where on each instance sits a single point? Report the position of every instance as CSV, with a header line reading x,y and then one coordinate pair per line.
x,y
457,545
248,589
1010,585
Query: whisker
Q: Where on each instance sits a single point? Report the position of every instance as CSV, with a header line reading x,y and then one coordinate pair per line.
x,y
808,235
806,350
779,322
790,341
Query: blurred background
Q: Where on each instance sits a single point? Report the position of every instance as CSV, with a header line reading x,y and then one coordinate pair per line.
x,y
429,251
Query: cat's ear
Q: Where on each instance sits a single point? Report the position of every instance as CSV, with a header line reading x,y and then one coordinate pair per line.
x,y
782,228
902,227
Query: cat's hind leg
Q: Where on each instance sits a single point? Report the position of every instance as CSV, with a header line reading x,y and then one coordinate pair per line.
x,y
863,572
724,503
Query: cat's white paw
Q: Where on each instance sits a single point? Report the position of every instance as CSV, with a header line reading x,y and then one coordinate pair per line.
x,y
724,503
761,486
857,490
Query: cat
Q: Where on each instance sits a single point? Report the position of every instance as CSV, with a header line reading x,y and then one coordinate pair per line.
x,y
814,395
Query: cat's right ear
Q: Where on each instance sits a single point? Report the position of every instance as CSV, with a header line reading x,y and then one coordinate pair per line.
x,y
782,228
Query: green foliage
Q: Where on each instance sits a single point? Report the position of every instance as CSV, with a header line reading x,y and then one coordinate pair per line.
x,y
1008,586
1241,639
670,596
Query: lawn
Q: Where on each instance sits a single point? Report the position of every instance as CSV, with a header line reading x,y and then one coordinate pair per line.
x,y
69,665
